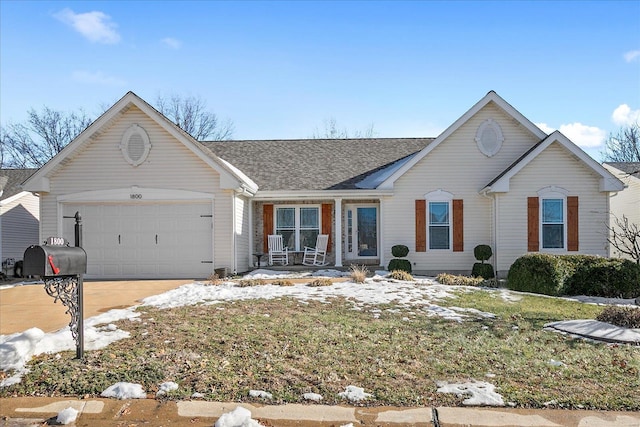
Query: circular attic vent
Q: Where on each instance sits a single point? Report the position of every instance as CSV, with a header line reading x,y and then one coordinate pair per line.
x,y
489,137
135,145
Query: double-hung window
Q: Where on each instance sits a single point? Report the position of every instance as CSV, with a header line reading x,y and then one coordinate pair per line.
x,y
298,225
553,223
439,225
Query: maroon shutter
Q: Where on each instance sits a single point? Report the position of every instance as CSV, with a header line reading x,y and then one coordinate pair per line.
x,y
572,223
267,226
458,226
327,222
421,225
533,224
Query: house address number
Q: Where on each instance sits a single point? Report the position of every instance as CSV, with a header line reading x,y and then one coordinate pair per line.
x,y
135,196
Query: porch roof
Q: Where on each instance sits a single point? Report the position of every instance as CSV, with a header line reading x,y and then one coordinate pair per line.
x,y
315,164
11,181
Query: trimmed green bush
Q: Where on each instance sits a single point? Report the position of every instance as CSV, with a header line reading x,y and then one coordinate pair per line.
x,y
399,264
605,277
575,275
539,273
399,251
482,252
483,270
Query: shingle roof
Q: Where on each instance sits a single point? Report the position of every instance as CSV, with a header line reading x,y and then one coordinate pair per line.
x,y
14,178
314,164
632,168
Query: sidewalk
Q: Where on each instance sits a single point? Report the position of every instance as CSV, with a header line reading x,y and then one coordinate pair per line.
x,y
22,412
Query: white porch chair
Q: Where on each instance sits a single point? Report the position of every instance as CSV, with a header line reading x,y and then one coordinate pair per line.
x,y
277,251
317,256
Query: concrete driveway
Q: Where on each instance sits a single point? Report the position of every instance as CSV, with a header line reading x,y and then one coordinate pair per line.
x,y
27,306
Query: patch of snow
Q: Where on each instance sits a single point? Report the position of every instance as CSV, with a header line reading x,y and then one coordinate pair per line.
x,y
239,417
482,393
197,395
67,416
603,301
166,387
555,363
347,425
261,394
312,396
354,394
124,390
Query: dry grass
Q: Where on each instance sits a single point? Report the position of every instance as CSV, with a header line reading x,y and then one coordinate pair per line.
x,y
288,348
358,273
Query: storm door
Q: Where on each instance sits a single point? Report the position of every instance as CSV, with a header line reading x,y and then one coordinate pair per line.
x,y
361,231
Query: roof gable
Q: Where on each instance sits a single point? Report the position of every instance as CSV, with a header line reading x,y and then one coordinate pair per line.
x,y
230,176
630,168
500,184
491,97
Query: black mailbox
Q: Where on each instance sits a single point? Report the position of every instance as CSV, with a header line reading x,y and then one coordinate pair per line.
x,y
54,260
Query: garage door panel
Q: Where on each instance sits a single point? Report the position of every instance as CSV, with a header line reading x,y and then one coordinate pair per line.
x,y
121,242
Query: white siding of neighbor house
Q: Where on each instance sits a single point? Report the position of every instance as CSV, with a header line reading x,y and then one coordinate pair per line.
x,y
554,166
19,226
458,167
242,233
99,165
625,202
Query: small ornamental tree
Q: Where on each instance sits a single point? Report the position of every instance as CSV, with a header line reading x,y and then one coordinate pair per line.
x,y
399,251
480,269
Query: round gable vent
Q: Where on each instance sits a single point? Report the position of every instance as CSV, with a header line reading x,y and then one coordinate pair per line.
x,y
135,145
489,137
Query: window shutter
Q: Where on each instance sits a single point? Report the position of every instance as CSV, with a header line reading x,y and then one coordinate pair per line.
x,y
421,225
533,224
572,223
267,226
458,226
327,220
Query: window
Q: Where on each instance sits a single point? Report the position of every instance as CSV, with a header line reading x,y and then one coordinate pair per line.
x,y
489,137
553,223
135,145
439,225
298,225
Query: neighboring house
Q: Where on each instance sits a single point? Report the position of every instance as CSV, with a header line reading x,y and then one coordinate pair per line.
x,y
19,213
157,203
627,202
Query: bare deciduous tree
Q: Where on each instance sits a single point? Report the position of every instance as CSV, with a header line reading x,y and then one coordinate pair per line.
x,y
624,236
191,115
623,146
331,130
42,136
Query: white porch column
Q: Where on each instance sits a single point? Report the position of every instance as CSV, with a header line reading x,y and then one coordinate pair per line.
x,y
338,241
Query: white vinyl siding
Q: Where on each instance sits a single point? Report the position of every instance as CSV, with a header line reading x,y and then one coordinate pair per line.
x,y
625,202
99,165
553,167
19,226
457,166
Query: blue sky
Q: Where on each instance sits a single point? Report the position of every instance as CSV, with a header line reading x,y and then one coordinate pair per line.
x,y
280,69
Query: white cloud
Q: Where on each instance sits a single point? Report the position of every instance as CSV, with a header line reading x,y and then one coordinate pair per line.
x,y
97,78
171,43
582,135
632,55
625,116
96,26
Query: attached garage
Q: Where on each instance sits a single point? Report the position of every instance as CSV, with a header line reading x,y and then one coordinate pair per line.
x,y
145,240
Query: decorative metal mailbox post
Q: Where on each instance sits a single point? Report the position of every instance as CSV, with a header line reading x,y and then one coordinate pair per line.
x,y
61,267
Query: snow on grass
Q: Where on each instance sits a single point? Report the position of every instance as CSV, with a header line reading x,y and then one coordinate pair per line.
x,y
260,394
354,394
124,390
482,393
239,417
166,387
315,397
67,416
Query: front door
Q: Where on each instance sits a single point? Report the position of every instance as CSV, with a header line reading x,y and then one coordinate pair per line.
x,y
361,226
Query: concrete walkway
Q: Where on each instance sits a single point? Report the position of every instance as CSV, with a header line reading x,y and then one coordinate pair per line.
x,y
27,306
21,412
598,331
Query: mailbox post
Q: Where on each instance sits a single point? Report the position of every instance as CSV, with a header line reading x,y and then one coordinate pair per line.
x,y
62,267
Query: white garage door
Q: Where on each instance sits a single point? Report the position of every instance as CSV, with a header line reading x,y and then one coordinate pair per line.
x,y
145,240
